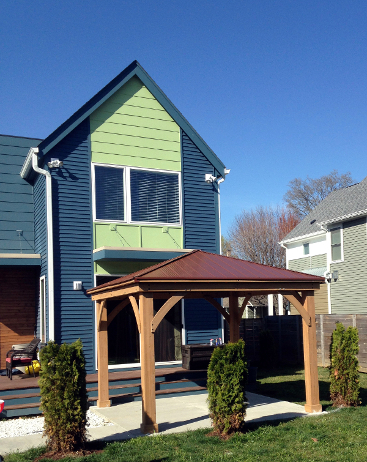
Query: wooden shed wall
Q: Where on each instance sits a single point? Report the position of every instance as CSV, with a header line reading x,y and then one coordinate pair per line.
x,y
19,289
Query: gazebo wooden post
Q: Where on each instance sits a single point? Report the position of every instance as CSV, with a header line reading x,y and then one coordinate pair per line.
x,y
149,423
310,358
234,322
102,354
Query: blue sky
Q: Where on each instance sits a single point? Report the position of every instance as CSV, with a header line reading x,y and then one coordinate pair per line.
x,y
277,88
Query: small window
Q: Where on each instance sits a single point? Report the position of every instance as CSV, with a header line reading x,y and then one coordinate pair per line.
x,y
336,244
306,249
154,197
109,184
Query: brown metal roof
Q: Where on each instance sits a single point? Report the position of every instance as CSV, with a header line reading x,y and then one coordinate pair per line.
x,y
204,266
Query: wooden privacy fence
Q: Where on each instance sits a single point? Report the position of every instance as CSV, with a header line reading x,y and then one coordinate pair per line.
x,y
325,325
287,334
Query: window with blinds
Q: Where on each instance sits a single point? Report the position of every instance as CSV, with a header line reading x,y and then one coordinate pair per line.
x,y
154,197
109,186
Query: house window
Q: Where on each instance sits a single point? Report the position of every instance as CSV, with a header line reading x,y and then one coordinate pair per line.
x,y
154,197
109,183
306,249
336,244
136,195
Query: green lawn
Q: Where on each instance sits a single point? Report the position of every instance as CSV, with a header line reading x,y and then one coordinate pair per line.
x,y
288,383
339,436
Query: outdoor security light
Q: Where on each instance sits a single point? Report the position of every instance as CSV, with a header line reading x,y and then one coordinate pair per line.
x,y
55,163
209,178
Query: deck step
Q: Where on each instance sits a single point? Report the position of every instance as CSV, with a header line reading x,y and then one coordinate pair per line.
x,y
157,393
131,385
119,396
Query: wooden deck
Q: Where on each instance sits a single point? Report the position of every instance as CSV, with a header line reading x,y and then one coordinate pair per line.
x,y
22,394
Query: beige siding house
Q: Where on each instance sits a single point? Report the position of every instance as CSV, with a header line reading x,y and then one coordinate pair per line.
x,y
332,241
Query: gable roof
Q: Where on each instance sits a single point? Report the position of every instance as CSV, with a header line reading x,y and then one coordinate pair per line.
x,y
134,69
204,266
340,205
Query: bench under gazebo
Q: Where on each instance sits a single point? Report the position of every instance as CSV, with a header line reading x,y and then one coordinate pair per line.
x,y
209,276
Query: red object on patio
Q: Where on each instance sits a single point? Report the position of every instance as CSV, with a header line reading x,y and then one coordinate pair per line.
x,y
1,406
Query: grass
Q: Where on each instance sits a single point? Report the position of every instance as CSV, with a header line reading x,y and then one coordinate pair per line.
x,y
340,435
288,384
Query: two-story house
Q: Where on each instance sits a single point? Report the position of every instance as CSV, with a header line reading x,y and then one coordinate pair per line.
x,y
122,184
332,241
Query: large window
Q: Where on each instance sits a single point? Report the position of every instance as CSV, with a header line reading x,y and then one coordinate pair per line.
x,y
136,195
154,196
336,244
109,184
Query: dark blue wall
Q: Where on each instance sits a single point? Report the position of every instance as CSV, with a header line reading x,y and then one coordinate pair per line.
x,y
16,196
73,240
201,231
40,234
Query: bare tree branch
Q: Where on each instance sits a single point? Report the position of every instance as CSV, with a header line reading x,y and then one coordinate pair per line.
x,y
303,195
255,235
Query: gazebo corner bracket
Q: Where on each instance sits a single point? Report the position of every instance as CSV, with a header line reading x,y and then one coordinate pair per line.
x,y
294,299
170,303
219,307
243,306
135,306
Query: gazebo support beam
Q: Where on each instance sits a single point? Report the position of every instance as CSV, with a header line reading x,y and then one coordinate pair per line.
x,y
234,324
149,423
305,305
102,355
310,357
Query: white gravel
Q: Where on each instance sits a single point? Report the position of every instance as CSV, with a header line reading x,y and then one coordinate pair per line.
x,y
30,425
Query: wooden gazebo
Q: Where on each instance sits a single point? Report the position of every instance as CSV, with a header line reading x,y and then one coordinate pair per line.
x,y
204,275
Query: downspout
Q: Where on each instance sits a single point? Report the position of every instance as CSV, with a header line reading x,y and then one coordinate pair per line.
x,y
50,253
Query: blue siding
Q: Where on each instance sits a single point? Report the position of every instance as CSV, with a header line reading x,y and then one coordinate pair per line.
x,y
40,232
16,196
72,215
201,231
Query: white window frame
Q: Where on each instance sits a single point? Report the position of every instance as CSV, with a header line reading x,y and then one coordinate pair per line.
x,y
94,191
127,194
341,244
43,327
304,248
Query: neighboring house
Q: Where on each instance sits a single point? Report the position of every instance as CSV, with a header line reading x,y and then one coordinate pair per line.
x,y
122,184
332,242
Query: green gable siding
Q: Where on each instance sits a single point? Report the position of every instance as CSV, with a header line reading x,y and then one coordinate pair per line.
x,y
147,236
348,293
132,128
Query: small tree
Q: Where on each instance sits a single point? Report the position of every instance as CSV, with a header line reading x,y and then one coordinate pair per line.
x,y
227,377
64,396
344,375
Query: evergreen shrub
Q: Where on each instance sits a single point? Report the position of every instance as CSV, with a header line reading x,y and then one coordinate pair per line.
x,y
63,395
344,375
227,377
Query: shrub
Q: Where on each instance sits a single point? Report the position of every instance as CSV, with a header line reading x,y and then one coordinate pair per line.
x,y
227,377
344,375
63,395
